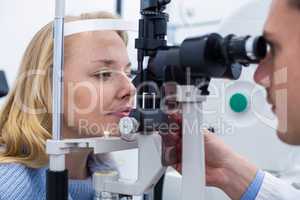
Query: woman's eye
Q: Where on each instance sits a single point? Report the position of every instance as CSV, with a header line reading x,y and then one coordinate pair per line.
x,y
104,75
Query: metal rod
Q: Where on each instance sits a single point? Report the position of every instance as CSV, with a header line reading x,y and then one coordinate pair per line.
x,y
193,155
57,175
119,7
58,63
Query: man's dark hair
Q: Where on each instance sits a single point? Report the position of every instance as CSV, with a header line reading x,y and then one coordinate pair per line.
x,y
295,3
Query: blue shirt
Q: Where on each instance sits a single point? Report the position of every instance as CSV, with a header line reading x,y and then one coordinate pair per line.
x,y
254,187
18,182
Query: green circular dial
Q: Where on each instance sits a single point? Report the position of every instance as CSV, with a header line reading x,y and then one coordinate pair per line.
x,y
238,103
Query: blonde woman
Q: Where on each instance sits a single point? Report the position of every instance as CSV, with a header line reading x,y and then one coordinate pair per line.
x,y
97,93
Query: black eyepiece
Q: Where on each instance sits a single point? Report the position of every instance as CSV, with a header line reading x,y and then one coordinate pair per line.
x,y
260,47
245,50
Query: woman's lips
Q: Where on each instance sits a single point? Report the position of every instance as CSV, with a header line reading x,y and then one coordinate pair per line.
x,y
121,114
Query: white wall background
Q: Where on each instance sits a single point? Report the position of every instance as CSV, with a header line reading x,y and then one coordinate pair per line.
x,y
21,19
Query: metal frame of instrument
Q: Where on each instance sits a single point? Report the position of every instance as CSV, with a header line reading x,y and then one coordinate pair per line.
x,y
150,170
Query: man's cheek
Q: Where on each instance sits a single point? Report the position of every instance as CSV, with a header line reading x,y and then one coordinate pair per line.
x,y
282,109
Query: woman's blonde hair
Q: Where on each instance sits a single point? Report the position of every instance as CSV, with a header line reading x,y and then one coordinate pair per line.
x,y
26,119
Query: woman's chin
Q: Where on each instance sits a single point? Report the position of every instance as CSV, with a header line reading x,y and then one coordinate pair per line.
x,y
102,134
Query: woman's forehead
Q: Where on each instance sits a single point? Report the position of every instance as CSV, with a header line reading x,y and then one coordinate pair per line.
x,y
95,43
93,38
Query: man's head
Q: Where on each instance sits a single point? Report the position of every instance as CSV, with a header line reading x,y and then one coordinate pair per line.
x,y
279,72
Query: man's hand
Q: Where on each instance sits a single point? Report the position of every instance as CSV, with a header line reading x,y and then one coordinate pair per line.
x,y
224,168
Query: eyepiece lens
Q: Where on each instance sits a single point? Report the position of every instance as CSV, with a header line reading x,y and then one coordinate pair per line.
x,y
260,47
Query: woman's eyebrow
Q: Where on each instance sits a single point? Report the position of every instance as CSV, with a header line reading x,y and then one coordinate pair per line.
x,y
112,63
105,61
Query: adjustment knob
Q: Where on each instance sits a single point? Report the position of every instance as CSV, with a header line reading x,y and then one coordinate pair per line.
x,y
238,103
128,126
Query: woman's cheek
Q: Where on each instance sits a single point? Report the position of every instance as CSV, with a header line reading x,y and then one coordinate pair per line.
x,y
106,98
84,99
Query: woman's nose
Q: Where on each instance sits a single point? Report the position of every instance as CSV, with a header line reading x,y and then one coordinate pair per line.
x,y
127,89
